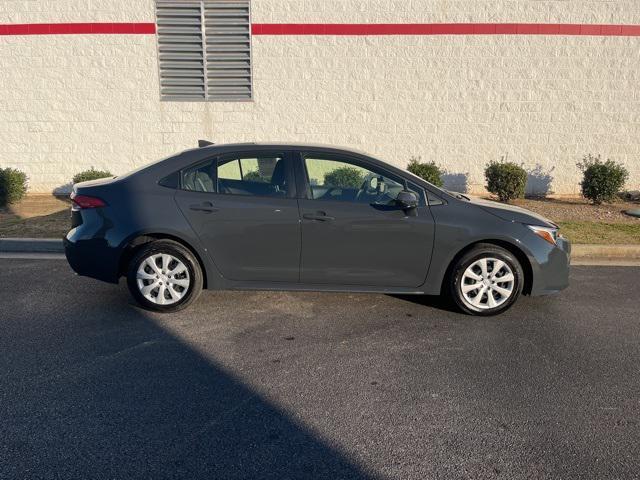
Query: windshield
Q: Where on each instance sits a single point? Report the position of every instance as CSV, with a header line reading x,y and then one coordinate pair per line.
x,y
457,195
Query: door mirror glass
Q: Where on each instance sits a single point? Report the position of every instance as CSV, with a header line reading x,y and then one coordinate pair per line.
x,y
407,200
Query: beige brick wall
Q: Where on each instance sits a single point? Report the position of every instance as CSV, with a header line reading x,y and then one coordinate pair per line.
x,y
426,11
52,11
70,102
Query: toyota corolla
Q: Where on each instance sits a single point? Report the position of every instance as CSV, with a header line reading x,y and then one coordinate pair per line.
x,y
305,217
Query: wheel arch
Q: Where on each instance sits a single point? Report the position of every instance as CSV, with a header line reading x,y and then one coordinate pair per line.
x,y
133,244
516,251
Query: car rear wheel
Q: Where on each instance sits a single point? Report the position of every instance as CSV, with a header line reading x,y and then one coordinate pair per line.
x,y
164,276
487,280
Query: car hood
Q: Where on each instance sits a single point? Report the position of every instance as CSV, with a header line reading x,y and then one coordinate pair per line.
x,y
511,213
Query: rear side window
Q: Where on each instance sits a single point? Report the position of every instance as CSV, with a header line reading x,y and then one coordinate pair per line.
x,y
262,175
171,181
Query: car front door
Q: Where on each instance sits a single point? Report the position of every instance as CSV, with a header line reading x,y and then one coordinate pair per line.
x,y
243,208
352,231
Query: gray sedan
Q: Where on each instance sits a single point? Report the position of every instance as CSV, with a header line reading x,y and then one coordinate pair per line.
x,y
306,217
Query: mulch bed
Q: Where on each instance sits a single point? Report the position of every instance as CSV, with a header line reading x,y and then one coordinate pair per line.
x,y
579,210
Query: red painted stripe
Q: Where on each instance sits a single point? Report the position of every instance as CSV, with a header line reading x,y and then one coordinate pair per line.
x,y
77,28
341,29
443,29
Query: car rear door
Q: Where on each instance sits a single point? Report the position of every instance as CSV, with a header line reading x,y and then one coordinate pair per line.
x,y
243,208
355,235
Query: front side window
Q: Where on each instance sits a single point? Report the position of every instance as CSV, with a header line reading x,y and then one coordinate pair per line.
x,y
253,175
346,181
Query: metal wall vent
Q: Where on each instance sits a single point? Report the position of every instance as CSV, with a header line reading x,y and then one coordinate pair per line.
x,y
204,49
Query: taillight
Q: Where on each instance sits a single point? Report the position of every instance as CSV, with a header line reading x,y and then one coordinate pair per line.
x,y
85,201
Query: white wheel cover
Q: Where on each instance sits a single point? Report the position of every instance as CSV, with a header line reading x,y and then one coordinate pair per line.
x,y
487,283
163,279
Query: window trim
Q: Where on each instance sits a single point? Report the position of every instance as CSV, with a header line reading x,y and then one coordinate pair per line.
x,y
358,161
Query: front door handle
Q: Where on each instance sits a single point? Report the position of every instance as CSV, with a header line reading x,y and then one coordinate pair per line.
x,y
320,216
206,207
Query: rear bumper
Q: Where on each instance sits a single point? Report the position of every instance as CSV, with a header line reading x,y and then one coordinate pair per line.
x,y
552,269
92,258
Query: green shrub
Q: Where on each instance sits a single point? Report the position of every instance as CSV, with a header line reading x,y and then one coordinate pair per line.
x,y
254,176
91,174
507,180
429,171
601,181
13,185
344,177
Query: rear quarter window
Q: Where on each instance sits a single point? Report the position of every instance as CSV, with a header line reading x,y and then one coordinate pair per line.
x,y
171,181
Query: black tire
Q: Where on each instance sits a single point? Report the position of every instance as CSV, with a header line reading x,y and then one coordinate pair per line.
x,y
180,253
477,253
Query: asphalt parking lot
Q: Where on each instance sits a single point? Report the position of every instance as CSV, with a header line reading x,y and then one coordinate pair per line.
x,y
309,385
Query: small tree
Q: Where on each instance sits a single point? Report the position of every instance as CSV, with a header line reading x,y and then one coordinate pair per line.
x,y
429,171
601,181
507,180
13,185
344,177
91,174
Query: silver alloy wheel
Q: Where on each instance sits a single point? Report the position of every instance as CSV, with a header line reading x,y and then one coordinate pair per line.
x,y
163,279
487,283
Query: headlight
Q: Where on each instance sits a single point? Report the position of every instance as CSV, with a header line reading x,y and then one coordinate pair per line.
x,y
548,234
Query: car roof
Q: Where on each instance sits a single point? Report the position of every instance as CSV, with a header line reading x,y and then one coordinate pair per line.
x,y
287,145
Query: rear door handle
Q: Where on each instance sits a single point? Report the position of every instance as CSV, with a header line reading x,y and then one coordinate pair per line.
x,y
206,207
320,216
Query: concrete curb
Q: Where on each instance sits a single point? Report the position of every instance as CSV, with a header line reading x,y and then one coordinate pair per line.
x,y
31,245
604,252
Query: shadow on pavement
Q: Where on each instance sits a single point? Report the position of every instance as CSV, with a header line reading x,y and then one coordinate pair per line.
x,y
439,302
120,397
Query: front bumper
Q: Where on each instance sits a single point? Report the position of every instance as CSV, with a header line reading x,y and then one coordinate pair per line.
x,y
553,267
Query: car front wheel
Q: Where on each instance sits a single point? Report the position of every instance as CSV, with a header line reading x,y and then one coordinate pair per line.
x,y
486,280
164,276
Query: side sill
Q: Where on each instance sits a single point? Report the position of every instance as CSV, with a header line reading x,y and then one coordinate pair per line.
x,y
299,287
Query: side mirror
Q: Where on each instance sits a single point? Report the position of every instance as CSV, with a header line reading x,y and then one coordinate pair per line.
x,y
407,200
